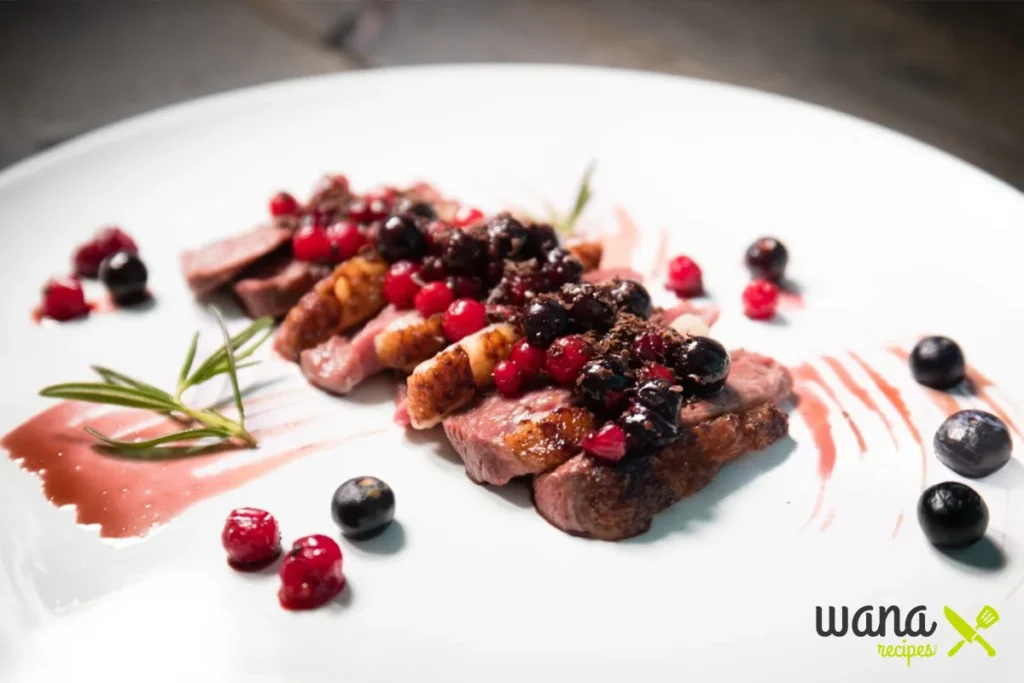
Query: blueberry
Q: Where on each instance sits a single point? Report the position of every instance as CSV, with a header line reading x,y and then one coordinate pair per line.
x,y
661,397
767,258
603,383
586,309
702,365
646,430
973,443
124,275
544,321
937,362
399,238
363,507
464,254
632,297
542,239
508,239
561,267
952,515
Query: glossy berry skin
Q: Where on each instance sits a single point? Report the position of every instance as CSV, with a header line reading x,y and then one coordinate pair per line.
x,y
565,359
952,515
585,308
465,287
937,362
661,397
433,269
464,254
311,573
766,259
543,322
607,443
124,275
657,371
651,346
283,204
368,209
64,299
346,240
363,507
434,297
104,243
632,297
702,365
401,284
530,359
685,277
508,239
602,384
508,378
251,538
973,443
420,209
760,300
463,318
310,243
400,239
646,429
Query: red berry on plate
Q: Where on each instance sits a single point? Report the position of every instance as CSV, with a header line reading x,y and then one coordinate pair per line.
x,y
435,297
401,284
283,204
508,378
651,346
251,538
467,216
530,359
463,318
104,243
346,240
684,277
369,208
311,573
465,287
760,299
657,371
310,243
566,357
63,299
607,443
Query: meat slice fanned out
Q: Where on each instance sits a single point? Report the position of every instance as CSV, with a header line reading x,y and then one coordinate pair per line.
x,y
275,288
218,263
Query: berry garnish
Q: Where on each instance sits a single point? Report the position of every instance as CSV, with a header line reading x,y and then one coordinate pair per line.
x,y
465,287
311,573
363,507
434,297
124,275
63,299
647,429
607,443
651,346
657,371
508,239
346,240
368,209
767,258
632,297
466,216
702,365
530,359
603,383
283,204
973,443
399,239
566,357
463,318
952,515
412,207
937,362
401,285
251,538
760,299
464,254
660,396
585,308
310,243
104,243
543,322
508,378
685,277
433,269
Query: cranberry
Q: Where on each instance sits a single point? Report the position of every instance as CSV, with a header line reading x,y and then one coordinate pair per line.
x,y
465,287
530,359
657,371
283,204
251,538
508,378
346,240
566,357
767,258
368,209
651,346
465,217
311,573
607,443
435,297
463,318
310,243
401,284
760,299
104,243
63,299
684,277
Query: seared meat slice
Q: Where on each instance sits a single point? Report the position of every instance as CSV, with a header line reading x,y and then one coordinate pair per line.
x,y
277,286
410,340
218,263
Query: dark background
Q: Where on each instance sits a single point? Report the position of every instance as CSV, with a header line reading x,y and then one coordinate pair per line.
x,y
948,73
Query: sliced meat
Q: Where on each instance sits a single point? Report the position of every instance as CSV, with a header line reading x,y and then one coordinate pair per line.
x,y
753,379
500,439
603,274
218,263
340,363
410,340
274,289
611,502
401,416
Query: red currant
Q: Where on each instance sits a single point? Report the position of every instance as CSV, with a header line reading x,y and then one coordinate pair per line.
x,y
566,357
251,538
283,204
463,318
685,277
346,240
310,243
369,208
530,359
466,216
401,284
651,346
311,573
657,371
63,299
607,443
435,297
760,299
104,243
508,378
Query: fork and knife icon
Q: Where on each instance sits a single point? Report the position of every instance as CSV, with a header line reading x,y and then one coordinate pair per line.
x,y
969,634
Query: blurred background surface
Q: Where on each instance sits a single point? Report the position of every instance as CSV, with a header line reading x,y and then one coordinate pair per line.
x,y
947,73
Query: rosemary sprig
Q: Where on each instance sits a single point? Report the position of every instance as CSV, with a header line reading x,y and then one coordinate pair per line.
x,y
565,224
121,390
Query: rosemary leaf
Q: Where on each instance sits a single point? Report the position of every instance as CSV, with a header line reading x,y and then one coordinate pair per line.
x,y
117,379
232,370
216,363
110,394
189,357
184,435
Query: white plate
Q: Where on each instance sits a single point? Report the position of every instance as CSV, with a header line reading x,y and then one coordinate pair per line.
x,y
889,239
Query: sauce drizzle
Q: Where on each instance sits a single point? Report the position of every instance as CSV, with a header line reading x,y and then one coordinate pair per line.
x,y
815,414
860,393
806,373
